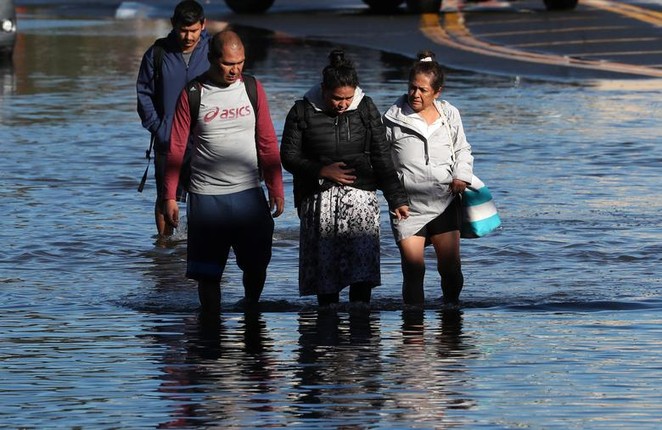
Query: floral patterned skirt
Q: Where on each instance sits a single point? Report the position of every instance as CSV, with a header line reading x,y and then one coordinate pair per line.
x,y
339,240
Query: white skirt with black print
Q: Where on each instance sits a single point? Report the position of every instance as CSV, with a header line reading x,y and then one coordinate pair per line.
x,y
339,240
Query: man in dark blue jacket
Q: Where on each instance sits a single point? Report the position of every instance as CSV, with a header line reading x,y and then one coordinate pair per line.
x,y
167,66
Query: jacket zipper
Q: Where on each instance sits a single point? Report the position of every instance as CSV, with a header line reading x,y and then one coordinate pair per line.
x,y
335,124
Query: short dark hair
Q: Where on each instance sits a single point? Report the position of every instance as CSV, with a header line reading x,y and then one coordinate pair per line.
x,y
427,65
188,12
340,72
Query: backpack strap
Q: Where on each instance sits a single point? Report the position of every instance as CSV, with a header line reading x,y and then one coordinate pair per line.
x,y
302,117
251,89
250,83
193,90
364,114
158,52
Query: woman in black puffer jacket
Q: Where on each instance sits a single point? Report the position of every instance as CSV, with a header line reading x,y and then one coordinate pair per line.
x,y
334,144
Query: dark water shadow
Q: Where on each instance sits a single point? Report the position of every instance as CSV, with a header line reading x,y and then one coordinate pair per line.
x,y
338,366
213,368
437,358
587,306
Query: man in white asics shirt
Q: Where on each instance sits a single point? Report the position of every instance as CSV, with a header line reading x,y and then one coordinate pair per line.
x,y
227,207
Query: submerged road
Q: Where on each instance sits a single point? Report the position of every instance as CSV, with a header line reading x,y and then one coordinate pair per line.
x,y
601,39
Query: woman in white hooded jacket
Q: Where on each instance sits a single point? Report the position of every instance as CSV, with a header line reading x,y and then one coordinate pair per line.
x,y
434,163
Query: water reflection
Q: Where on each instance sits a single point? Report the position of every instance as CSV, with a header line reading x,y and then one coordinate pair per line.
x,y
339,368
349,368
7,81
215,372
450,338
434,368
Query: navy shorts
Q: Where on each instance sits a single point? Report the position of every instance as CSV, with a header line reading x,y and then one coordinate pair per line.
x,y
241,221
449,220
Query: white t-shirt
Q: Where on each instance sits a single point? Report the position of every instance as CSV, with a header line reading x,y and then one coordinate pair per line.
x,y
224,158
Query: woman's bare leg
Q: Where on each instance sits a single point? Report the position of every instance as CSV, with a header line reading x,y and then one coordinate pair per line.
x,y
449,264
412,260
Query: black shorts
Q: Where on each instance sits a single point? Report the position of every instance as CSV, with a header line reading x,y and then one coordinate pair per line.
x,y
449,220
241,221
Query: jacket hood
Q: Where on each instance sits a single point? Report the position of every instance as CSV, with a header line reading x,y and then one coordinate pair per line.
x,y
314,97
402,114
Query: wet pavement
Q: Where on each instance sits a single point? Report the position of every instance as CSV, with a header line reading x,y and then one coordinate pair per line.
x,y
599,40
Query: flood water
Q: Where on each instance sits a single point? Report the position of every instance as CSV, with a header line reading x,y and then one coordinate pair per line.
x,y
561,323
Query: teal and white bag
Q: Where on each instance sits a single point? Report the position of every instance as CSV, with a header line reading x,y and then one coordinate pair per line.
x,y
479,213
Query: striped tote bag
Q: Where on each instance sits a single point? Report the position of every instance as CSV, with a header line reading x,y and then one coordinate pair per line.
x,y
479,213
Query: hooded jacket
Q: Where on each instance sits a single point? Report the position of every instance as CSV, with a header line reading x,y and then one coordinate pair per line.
x,y
157,100
356,137
424,161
